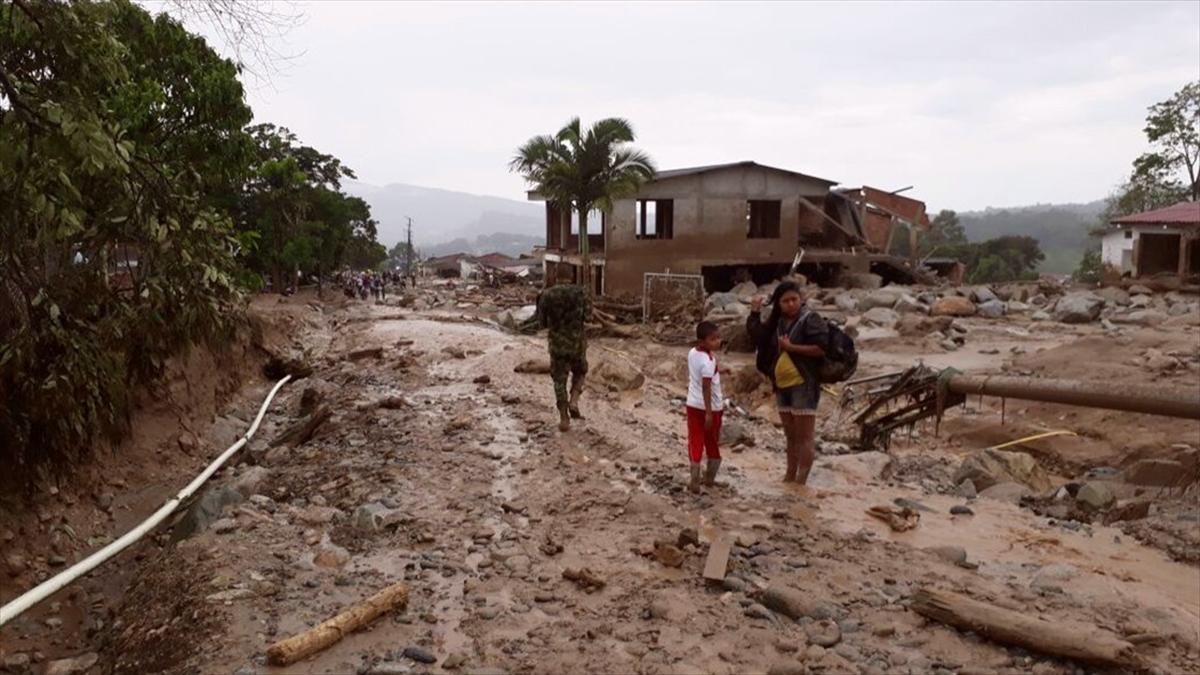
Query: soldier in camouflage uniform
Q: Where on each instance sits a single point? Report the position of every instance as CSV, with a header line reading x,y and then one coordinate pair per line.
x,y
563,309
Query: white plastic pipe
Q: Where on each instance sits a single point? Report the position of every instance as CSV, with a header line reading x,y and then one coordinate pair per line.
x,y
52,585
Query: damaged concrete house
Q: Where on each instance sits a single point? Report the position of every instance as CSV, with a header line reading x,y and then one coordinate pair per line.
x,y
1160,243
732,222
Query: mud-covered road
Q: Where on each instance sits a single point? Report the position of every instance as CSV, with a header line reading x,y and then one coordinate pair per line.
x,y
442,467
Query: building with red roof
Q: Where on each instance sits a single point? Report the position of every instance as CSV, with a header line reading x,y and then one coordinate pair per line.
x,y
1164,241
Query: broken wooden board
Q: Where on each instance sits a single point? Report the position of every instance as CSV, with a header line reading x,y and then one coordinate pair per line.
x,y
313,640
717,562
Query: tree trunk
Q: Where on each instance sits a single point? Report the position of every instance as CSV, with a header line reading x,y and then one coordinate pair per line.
x,y
584,252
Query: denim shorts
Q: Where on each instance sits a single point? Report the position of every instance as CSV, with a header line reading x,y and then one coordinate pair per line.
x,y
800,400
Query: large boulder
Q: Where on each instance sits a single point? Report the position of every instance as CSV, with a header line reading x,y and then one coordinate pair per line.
x,y
846,303
718,300
982,294
952,305
1095,496
884,297
991,309
989,467
1078,308
745,291
617,375
881,316
1141,317
1007,491
1113,295
916,325
862,280
733,312
907,304
1157,473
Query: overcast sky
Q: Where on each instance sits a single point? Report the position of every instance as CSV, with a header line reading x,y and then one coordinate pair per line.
x,y
974,104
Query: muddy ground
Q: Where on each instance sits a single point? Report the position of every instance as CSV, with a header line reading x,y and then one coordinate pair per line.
x,y
482,504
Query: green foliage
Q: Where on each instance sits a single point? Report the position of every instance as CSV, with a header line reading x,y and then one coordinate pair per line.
x,y
1006,258
1061,230
945,231
120,135
1090,267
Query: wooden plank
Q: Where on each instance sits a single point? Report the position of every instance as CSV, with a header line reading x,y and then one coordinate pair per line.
x,y
313,640
1068,639
717,562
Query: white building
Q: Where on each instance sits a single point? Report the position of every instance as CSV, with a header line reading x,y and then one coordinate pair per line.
x,y
1155,242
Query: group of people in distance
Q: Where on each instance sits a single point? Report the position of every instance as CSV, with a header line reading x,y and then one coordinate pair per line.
x,y
362,285
790,350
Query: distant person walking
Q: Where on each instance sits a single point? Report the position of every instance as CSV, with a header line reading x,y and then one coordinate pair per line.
x,y
789,353
563,309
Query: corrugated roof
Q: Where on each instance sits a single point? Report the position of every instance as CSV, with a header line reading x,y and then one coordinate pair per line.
x,y
676,173
1183,213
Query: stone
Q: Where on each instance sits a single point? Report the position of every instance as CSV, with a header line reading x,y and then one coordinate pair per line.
x,y
1017,307
951,554
1139,289
454,661
224,526
733,433
663,609
735,584
1051,577
915,325
881,316
1007,492
330,554
1183,309
1142,317
787,668
960,510
1134,509
846,303
988,467
617,375
982,294
744,291
15,564
907,304
883,298
1157,473
251,480
966,489
992,309
1078,308
374,516
719,300
16,663
318,515
952,305
73,665
865,280
668,554
538,366
795,604
419,654
1141,301
1040,315
860,467
387,668
1113,295
824,633
205,511
1095,496
757,611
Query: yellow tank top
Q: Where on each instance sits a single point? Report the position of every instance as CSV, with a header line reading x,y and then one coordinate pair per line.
x,y
786,373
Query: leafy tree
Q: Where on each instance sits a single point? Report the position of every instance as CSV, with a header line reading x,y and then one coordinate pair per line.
x,y
120,135
584,170
944,231
1090,267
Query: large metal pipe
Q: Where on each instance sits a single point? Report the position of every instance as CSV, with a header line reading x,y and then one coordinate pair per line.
x,y
1140,398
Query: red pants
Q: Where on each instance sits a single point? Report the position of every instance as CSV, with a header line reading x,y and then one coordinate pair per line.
x,y
700,440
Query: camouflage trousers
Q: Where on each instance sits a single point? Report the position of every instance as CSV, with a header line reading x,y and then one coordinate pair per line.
x,y
564,364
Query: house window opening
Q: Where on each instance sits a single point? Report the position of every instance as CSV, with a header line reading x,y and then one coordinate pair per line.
x,y
655,219
762,218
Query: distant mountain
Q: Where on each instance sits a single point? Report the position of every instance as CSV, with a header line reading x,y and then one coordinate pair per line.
x,y
497,242
441,216
1061,229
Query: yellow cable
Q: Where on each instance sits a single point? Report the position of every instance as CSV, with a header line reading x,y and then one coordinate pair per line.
x,y
1035,437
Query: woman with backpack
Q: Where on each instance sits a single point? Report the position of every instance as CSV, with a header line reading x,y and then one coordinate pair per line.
x,y
791,350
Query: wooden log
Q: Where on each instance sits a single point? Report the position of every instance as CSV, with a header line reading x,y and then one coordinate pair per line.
x,y
717,561
368,353
1067,639
301,432
313,640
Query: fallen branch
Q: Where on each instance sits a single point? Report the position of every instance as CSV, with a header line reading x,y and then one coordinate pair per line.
x,y
301,432
1067,639
313,640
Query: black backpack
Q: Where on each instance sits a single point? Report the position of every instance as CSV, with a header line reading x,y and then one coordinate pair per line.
x,y
841,357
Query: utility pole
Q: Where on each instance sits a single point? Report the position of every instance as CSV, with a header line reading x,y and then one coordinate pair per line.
x,y
408,254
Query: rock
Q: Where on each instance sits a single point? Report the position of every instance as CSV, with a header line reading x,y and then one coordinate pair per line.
x,y
1040,315
951,554
966,489
1051,577
1141,301
734,432
861,467
720,300
374,516
1078,308
454,661
16,663
881,316
735,313
787,668
846,303
539,366
663,609
73,665
1157,473
224,526
318,515
1007,492
823,633
251,480
735,584
795,604
915,325
1182,309
205,511
330,554
617,375
1015,307
1138,289
960,510
687,537
992,309
668,554
907,304
1095,496
745,291
1113,295
757,611
15,564
1142,317
386,668
983,294
419,654
1132,509
987,467
883,298
952,305
862,280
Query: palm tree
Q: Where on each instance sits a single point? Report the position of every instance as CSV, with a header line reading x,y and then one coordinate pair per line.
x,y
583,170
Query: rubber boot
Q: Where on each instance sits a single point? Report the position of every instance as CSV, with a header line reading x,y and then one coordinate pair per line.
x,y
694,484
576,392
710,472
564,419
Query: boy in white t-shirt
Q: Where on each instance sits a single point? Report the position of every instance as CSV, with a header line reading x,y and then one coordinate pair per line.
x,y
704,404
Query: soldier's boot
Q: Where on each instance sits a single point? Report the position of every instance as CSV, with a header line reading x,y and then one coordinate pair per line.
x,y
710,471
564,418
694,484
576,392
